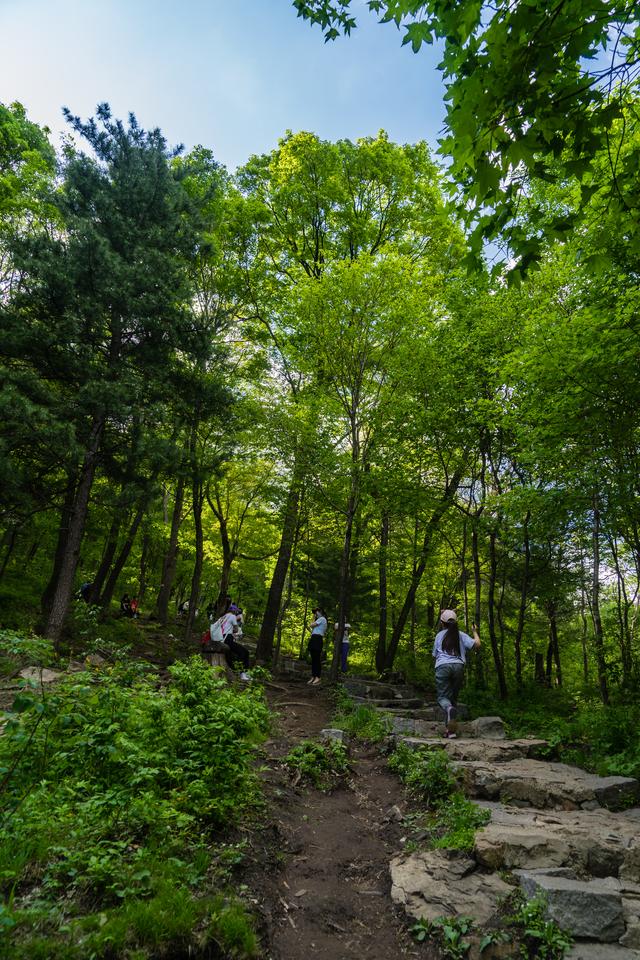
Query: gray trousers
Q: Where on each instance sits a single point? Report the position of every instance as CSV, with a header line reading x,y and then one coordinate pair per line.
x,y
449,677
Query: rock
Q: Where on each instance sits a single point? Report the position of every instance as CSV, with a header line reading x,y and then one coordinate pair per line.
x,y
461,708
590,909
488,728
431,884
407,703
394,814
331,733
40,674
541,784
494,751
600,951
598,842
95,660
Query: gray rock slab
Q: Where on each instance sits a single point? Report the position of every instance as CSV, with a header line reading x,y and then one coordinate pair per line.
x,y
333,733
432,884
40,674
488,728
540,784
589,909
376,690
494,751
598,842
413,703
600,951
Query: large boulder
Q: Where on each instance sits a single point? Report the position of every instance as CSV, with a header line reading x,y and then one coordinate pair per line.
x,y
597,842
433,883
494,751
601,951
591,909
536,783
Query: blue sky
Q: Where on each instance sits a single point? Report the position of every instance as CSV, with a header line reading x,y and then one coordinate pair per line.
x,y
230,74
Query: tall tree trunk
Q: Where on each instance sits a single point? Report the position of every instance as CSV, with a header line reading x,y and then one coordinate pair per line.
x,y
622,612
171,556
125,550
8,541
522,607
381,648
464,576
497,662
64,585
108,554
595,604
198,496
343,585
430,530
477,602
61,545
264,649
144,560
554,646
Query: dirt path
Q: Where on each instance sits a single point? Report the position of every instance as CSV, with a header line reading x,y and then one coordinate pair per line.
x,y
322,880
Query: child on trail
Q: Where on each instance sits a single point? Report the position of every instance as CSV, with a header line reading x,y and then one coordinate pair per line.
x,y
318,630
133,607
235,650
450,653
344,646
125,604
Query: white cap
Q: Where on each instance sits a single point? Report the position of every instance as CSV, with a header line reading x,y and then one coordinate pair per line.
x,y
448,616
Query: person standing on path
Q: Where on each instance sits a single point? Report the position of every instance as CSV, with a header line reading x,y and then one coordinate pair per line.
x,y
318,630
234,650
344,645
450,654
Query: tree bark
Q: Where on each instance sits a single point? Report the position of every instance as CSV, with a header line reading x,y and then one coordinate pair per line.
x,y
497,661
522,607
431,528
595,605
171,556
381,648
63,531
63,590
477,602
264,650
108,554
125,550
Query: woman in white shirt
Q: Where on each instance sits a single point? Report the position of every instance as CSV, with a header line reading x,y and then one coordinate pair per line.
x,y
318,630
450,654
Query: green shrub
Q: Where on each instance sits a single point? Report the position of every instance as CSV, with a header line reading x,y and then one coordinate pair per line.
x,y
114,790
321,763
359,720
543,939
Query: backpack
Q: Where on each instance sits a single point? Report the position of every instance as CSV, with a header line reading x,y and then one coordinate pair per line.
x,y
216,632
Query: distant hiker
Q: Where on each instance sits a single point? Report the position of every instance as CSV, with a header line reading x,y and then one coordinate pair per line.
x,y
344,645
85,591
211,609
133,607
229,625
450,653
240,618
125,604
318,630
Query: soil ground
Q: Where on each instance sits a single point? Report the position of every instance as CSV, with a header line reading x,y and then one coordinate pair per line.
x,y
320,877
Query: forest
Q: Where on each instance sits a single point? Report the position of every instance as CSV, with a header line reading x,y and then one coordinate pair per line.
x,y
382,379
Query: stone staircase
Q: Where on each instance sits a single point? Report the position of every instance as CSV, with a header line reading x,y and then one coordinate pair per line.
x,y
558,831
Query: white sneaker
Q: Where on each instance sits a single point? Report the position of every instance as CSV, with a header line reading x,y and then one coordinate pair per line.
x,y
245,677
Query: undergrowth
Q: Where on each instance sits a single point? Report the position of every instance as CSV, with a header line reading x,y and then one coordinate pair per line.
x,y
358,719
450,819
323,764
115,791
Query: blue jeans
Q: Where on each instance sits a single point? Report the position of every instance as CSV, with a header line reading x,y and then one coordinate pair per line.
x,y
449,677
344,653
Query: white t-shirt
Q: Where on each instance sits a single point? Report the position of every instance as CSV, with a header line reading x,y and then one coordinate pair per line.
x,y
345,635
229,624
466,643
319,626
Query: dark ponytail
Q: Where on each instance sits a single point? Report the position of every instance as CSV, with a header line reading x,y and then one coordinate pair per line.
x,y
451,639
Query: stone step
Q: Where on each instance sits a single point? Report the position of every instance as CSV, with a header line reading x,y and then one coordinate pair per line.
x,y
359,687
536,783
598,843
601,951
414,703
588,909
477,749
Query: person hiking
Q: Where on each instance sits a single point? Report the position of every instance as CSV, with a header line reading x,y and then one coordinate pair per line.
x,y
125,604
450,649
318,630
235,651
344,645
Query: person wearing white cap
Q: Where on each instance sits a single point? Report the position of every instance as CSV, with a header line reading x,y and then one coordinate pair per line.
x,y
450,653
344,645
